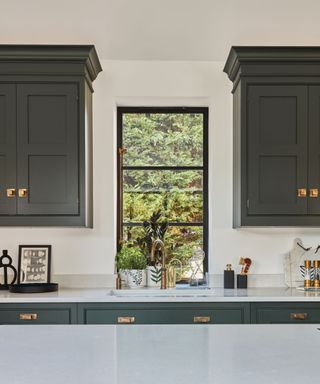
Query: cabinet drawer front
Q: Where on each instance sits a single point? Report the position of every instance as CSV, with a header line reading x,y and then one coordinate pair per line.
x,y
163,316
34,315
293,315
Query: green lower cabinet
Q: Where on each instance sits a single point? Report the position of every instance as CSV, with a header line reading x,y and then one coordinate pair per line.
x,y
285,313
38,313
164,313
160,313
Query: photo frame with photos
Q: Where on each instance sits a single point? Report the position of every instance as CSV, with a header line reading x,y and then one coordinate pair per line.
x,y
34,264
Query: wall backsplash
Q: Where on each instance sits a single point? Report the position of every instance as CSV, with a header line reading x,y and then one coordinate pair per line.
x,y
80,251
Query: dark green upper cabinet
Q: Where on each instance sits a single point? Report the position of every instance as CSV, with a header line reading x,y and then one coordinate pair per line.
x,y
45,135
276,103
8,167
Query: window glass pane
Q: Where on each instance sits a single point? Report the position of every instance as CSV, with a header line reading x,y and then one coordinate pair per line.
x,y
163,139
179,243
178,194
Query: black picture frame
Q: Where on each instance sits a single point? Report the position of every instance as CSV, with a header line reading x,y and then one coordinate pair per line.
x,y
39,270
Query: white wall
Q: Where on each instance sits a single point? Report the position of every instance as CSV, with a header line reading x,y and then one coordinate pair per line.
x,y
90,251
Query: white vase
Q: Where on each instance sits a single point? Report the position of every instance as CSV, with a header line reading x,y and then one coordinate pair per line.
x,y
154,272
124,278
136,278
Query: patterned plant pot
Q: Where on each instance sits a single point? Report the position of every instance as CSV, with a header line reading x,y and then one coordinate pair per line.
x,y
124,277
154,276
137,278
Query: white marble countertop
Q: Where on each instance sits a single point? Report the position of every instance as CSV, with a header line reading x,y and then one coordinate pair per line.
x,y
170,354
216,295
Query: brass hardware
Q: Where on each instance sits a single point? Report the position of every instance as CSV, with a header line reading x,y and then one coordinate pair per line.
x,y
298,316
314,192
28,316
11,192
172,273
126,319
202,319
23,192
160,245
302,192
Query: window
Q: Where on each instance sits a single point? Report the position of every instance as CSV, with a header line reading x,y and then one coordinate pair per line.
x,y
164,166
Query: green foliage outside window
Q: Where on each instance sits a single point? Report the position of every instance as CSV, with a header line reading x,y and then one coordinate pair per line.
x,y
164,140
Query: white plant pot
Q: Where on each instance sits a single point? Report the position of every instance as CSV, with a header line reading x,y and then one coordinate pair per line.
x,y
136,278
124,278
152,273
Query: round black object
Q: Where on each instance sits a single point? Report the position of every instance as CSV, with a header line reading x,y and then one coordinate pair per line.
x,y
34,288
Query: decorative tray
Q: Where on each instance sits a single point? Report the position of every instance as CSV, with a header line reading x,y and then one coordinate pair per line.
x,y
309,289
34,288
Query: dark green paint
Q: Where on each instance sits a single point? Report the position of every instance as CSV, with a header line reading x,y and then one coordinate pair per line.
x,y
47,313
276,134
161,313
280,313
164,313
48,94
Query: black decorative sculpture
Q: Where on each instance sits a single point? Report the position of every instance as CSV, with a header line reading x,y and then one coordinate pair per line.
x,y
6,263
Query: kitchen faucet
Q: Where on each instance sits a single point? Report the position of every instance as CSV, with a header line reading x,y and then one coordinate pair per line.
x,y
158,244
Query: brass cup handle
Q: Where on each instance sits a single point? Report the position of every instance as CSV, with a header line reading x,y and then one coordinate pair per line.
x,y
126,319
11,192
23,192
298,316
201,319
28,316
313,192
302,192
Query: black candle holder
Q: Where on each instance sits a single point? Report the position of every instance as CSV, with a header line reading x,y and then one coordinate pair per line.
x,y
6,263
242,281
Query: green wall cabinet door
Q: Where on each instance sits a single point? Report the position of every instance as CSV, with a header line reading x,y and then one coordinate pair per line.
x,y
277,149
276,100
46,134
164,313
8,165
48,149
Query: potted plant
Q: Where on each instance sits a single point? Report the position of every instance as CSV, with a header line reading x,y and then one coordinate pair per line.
x,y
154,229
131,264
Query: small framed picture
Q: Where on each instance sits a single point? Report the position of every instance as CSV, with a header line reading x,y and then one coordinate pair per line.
x,y
34,264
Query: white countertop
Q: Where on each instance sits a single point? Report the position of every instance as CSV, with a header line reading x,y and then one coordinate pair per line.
x,y
216,295
170,354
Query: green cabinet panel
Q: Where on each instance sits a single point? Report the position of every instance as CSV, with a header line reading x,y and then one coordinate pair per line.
x,y
48,143
7,147
285,313
38,313
46,134
276,154
164,313
276,100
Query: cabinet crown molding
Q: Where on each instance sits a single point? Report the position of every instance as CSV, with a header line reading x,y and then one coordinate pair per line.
x,y
85,55
240,56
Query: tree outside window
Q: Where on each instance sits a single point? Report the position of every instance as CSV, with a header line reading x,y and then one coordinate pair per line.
x,y
164,166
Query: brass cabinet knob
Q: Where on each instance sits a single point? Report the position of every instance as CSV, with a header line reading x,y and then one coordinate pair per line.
x,y
302,192
314,192
28,316
201,319
11,192
126,319
23,192
298,316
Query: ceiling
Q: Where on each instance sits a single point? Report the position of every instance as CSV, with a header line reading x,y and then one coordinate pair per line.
x,y
200,30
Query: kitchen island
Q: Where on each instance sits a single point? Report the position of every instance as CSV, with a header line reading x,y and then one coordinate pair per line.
x,y
158,354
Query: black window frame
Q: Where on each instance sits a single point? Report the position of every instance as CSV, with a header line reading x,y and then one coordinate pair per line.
x,y
204,168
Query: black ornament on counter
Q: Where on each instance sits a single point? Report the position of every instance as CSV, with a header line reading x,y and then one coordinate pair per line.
x,y
242,281
6,263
